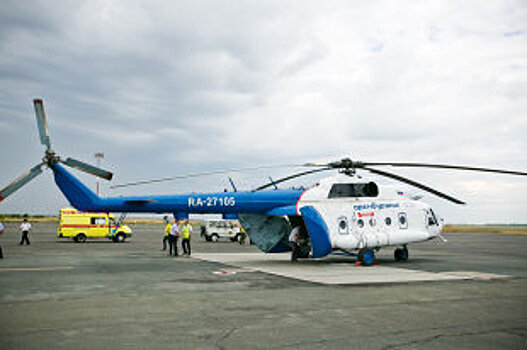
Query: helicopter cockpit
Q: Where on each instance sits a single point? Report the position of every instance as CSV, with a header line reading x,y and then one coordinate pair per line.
x,y
340,190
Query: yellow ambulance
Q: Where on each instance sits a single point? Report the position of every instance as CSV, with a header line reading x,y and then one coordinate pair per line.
x,y
80,226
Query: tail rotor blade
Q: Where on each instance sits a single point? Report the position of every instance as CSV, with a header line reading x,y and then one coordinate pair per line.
x,y
87,168
42,123
20,181
415,184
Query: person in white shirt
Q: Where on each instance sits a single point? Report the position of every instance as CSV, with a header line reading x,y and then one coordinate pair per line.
x,y
25,227
173,238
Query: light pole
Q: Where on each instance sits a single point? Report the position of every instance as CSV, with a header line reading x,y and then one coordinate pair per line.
x,y
98,157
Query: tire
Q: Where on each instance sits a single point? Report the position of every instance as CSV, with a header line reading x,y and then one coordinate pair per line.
x,y
208,238
215,237
367,257
400,254
120,237
80,238
397,254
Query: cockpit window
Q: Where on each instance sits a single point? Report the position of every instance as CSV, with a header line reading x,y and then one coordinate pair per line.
x,y
432,220
369,189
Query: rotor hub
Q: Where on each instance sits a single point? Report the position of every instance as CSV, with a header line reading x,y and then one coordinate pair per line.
x,y
347,164
50,158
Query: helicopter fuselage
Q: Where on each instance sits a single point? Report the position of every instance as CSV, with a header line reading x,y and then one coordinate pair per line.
x,y
358,214
339,213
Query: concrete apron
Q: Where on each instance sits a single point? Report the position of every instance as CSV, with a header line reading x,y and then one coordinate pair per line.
x,y
324,271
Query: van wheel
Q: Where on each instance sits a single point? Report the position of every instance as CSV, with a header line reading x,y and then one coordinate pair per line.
x,y
80,238
215,237
120,237
238,238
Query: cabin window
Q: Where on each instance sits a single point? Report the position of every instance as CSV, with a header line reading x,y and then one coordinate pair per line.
x,y
388,221
343,225
372,222
403,222
360,223
369,189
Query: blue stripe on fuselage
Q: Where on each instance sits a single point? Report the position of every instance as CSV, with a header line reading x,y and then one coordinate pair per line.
x,y
258,202
318,231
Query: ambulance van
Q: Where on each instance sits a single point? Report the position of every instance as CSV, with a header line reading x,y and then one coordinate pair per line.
x,y
80,226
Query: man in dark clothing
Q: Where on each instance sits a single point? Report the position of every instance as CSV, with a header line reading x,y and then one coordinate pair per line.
x,y
1,231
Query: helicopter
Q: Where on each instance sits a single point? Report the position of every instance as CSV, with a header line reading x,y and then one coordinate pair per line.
x,y
343,213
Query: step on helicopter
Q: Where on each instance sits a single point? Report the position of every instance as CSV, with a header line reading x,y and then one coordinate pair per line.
x,y
342,213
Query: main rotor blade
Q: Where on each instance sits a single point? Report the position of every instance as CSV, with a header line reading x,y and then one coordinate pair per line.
x,y
415,184
87,168
446,166
205,173
291,177
20,181
42,123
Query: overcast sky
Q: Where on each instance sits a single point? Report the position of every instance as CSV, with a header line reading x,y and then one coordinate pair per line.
x,y
174,87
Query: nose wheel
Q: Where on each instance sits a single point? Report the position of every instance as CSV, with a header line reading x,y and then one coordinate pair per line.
x,y
401,254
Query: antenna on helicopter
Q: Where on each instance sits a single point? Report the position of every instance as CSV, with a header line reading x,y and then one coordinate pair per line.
x,y
50,157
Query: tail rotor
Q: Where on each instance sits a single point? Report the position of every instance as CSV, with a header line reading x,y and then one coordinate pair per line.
x,y
50,158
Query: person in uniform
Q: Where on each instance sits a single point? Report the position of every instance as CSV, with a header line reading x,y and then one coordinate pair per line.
x,y
168,228
173,238
1,231
296,243
25,227
186,235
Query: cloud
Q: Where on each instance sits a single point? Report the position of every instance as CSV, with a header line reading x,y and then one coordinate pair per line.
x,y
170,87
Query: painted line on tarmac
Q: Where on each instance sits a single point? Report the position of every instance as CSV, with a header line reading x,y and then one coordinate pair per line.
x,y
33,269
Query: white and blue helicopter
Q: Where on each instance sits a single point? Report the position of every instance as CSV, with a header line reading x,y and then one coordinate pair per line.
x,y
343,213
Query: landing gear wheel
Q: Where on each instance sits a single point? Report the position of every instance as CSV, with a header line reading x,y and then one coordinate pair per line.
x,y
367,257
401,254
80,238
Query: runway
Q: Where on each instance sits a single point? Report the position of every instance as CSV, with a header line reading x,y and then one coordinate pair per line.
x,y
470,293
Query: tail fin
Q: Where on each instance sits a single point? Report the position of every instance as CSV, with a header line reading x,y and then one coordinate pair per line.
x,y
77,193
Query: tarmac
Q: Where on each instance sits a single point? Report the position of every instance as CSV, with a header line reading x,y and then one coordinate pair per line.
x,y
469,293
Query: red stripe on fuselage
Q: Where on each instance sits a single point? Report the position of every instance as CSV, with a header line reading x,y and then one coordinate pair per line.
x,y
298,201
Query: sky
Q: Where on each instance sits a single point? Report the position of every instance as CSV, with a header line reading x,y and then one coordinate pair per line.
x,y
165,88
